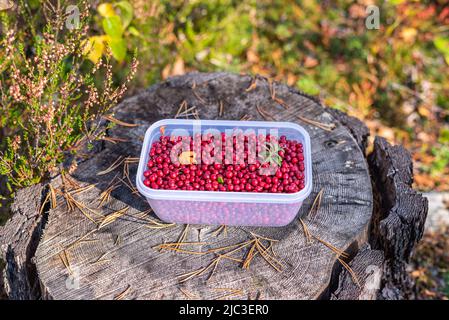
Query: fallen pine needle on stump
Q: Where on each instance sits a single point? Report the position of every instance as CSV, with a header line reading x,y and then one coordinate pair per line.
x,y
123,294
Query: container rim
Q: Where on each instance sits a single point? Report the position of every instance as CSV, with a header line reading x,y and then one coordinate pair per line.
x,y
221,195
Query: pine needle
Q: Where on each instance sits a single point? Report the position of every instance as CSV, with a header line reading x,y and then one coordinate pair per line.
x,y
306,231
183,235
53,201
47,197
234,292
351,272
246,117
123,294
197,95
188,294
114,140
337,251
112,167
65,260
252,85
316,204
324,126
81,207
101,258
220,112
81,239
105,196
264,114
112,217
82,189
121,123
220,230
183,105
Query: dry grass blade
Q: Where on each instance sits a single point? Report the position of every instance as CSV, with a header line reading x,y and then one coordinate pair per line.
x,y
120,123
123,294
112,167
264,114
351,272
337,251
306,231
324,126
65,260
112,217
273,95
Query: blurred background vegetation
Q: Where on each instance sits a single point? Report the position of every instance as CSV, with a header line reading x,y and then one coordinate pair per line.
x,y
394,78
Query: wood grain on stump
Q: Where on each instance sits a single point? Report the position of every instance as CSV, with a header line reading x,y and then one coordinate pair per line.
x,y
120,257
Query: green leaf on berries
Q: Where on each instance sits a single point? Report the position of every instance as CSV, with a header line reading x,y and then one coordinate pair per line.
x,y
220,180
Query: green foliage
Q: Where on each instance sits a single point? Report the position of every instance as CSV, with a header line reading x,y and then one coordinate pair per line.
x,y
50,103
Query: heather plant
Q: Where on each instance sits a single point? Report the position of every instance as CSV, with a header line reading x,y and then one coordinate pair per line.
x,y
52,103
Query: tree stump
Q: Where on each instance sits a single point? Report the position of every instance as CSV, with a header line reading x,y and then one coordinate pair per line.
x,y
82,254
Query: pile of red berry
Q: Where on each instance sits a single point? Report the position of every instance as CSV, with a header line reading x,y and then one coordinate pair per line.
x,y
245,173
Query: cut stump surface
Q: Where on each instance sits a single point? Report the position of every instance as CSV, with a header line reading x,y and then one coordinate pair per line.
x,y
81,259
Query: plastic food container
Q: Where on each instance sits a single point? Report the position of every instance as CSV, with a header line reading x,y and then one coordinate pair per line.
x,y
219,207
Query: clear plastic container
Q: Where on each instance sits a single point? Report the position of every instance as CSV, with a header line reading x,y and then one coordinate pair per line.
x,y
219,207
